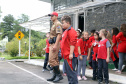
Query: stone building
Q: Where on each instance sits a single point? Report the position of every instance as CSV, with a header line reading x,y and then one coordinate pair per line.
x,y
91,14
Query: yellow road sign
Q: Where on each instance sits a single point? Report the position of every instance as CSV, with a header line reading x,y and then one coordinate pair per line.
x,y
19,35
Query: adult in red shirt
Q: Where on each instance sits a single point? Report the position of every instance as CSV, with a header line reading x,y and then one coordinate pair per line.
x,y
69,49
121,39
114,53
47,53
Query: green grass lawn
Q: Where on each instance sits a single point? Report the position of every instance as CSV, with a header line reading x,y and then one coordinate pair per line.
x,y
8,57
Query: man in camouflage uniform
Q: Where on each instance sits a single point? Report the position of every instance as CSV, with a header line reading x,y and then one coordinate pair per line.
x,y
55,37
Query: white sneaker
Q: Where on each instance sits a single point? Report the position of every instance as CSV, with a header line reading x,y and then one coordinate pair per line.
x,y
84,78
123,67
114,69
118,72
79,78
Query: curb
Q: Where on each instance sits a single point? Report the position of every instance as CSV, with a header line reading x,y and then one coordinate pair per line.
x,y
112,77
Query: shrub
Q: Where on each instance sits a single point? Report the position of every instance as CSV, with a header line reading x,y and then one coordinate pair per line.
x,y
39,52
0,53
13,52
12,47
40,45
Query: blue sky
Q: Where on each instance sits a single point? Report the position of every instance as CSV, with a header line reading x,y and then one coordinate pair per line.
x,y
32,8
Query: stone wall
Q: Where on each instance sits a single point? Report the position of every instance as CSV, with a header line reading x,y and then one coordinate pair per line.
x,y
109,16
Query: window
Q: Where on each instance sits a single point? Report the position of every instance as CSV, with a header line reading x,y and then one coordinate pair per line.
x,y
61,4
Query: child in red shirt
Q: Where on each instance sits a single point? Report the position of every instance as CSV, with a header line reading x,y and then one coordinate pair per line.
x,y
78,34
114,53
121,39
69,49
91,38
103,56
83,45
47,53
94,45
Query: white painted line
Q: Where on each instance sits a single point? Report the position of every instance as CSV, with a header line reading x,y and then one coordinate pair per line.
x,y
31,73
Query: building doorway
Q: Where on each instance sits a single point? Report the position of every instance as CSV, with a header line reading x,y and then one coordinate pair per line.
x,y
81,22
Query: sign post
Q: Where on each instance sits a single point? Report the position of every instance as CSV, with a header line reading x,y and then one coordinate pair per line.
x,y
19,49
19,35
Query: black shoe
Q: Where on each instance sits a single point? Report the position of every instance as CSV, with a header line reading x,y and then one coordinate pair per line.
x,y
99,82
53,77
107,82
58,78
94,78
58,75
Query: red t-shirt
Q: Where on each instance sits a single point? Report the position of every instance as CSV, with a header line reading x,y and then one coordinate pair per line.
x,y
47,46
114,41
91,39
69,37
77,41
95,49
102,49
84,45
122,42
114,49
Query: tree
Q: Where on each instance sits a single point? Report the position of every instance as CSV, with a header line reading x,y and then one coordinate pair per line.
x,y
11,26
8,22
23,18
7,25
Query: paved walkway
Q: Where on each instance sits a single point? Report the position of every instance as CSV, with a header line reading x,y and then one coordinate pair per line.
x,y
112,76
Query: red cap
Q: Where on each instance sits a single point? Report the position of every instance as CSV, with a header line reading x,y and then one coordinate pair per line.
x,y
53,13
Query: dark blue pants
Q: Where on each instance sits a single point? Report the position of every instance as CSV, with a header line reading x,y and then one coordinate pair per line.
x,y
95,69
71,73
90,60
103,66
46,60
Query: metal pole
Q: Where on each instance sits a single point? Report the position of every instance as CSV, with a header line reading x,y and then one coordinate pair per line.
x,y
76,21
84,19
19,49
29,42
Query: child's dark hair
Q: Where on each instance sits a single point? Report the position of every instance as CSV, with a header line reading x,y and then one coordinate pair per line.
x,y
66,18
115,31
93,31
79,33
97,33
123,29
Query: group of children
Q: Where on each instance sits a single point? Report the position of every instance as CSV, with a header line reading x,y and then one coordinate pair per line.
x,y
77,48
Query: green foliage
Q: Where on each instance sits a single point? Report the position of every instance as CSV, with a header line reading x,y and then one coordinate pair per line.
x,y
39,52
0,53
10,26
8,57
12,47
7,25
25,57
8,22
40,45
23,18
